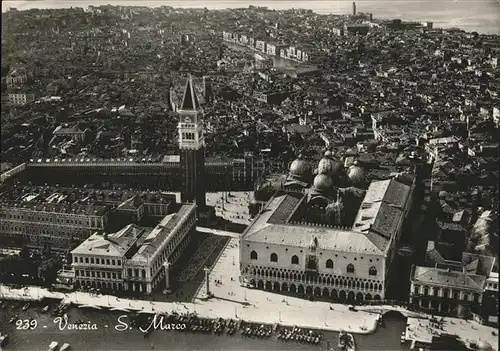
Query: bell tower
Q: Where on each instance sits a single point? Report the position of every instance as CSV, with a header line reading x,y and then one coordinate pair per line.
x,y
191,147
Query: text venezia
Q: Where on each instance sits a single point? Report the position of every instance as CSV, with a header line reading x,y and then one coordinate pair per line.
x,y
157,323
62,323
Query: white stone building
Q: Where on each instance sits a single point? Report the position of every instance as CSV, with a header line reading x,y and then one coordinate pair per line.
x,y
73,132
17,77
278,252
450,286
260,45
59,218
54,224
20,99
271,48
134,258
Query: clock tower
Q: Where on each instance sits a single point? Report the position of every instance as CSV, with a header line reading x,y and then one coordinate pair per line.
x,y
192,147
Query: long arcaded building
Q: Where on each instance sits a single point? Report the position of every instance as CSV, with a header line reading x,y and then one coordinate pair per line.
x,y
165,173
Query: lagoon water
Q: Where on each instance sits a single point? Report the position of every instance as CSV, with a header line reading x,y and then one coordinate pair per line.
x,y
482,16
386,338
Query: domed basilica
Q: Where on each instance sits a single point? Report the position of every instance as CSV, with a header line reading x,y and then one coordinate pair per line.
x,y
319,236
327,187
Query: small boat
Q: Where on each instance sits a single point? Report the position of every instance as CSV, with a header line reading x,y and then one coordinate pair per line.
x,y
65,347
53,346
342,340
13,319
4,338
346,342
403,337
45,309
350,345
25,307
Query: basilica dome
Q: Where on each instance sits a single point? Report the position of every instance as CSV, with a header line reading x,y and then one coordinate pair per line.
x,y
356,174
299,168
322,182
328,166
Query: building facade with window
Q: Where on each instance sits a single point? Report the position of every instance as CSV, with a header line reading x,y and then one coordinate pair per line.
x,y
60,218
346,264
17,78
134,258
490,300
54,225
20,98
455,287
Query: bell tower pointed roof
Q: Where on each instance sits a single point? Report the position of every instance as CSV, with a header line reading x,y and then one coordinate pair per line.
x,y
189,100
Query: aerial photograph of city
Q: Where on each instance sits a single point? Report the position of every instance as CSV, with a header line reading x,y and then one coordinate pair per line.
x,y
249,175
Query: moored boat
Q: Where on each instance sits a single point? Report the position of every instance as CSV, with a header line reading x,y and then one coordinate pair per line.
x,y
342,340
53,346
350,345
13,319
25,307
65,347
346,342
4,339
45,309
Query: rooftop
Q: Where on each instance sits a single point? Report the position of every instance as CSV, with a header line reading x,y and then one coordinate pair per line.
x,y
382,211
273,226
77,209
79,200
162,233
147,240
447,277
116,244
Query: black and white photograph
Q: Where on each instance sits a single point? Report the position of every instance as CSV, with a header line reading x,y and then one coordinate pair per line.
x,y
232,175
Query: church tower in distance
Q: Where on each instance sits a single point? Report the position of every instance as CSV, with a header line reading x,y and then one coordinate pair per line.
x,y
192,147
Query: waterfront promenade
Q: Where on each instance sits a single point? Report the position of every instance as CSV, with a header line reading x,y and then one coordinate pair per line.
x,y
270,308
267,307
469,331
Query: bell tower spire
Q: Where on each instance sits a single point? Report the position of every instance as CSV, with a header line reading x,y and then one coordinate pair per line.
x,y
190,119
192,146
189,100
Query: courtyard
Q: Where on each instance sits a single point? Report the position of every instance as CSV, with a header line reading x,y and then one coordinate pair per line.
x,y
231,206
